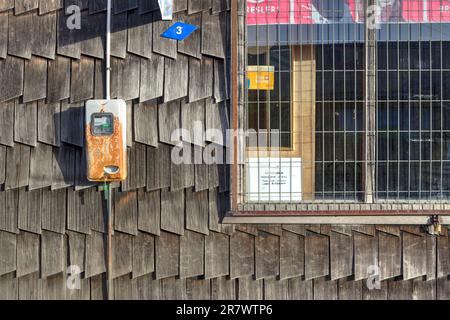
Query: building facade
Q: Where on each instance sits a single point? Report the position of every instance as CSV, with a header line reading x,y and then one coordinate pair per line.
x,y
169,240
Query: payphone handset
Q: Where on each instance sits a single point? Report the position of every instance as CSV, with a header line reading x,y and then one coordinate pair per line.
x,y
106,137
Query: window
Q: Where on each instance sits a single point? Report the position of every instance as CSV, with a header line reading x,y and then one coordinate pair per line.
x,y
308,117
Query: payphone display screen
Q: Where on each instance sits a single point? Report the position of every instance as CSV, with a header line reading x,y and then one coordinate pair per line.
x,y
102,124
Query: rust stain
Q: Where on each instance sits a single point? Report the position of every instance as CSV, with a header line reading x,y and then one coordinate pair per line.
x,y
105,151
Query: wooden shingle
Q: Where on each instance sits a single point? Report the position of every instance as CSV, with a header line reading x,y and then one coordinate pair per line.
x,y
41,166
146,123
217,261
167,256
389,256
44,38
20,37
152,78
7,123
292,255
122,254
35,82
49,123
316,256
341,255
242,255
52,254
197,211
58,79
17,166
143,254
173,211
27,253
30,210
414,261
267,255
176,78
192,254
8,247
149,211
25,123
95,254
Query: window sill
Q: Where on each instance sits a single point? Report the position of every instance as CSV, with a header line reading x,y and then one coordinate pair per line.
x,y
401,214
336,217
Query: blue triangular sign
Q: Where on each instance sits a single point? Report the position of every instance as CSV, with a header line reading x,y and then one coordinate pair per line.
x,y
179,31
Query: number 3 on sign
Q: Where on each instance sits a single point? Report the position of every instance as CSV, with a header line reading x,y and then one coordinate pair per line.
x,y
179,30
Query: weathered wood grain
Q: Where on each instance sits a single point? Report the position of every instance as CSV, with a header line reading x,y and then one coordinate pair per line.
x,y
275,289
49,123
316,256
122,254
292,255
143,254
389,256
9,211
8,247
54,204
9,287
242,255
149,211
35,81
173,211
27,253
267,255
41,166
58,87
30,210
125,212
158,172
17,166
300,289
197,211
82,79
77,249
414,260
167,256
366,255
20,37
95,254
146,123
217,261
214,29
341,255
52,254
192,259
25,123
198,289
176,78
250,289
44,33
63,167
7,123
223,289
325,289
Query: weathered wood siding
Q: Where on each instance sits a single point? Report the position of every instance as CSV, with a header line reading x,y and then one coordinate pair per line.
x,y
168,241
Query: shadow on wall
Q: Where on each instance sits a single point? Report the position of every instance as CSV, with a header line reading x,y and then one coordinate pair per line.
x,y
88,22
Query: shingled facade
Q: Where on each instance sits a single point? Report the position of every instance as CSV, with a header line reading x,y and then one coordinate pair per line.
x,y
168,240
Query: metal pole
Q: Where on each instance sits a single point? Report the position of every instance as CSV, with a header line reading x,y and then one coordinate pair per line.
x,y
109,285
108,191
108,51
370,92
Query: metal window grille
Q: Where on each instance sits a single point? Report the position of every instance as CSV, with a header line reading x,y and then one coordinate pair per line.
x,y
307,132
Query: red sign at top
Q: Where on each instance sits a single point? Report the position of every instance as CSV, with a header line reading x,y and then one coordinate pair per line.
x,y
263,12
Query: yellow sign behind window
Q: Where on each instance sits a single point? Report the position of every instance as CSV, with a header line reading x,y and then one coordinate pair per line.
x,y
261,77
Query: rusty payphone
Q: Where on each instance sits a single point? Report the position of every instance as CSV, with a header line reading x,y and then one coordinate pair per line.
x,y
106,140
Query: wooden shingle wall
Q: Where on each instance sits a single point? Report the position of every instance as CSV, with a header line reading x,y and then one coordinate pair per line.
x,y
168,240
